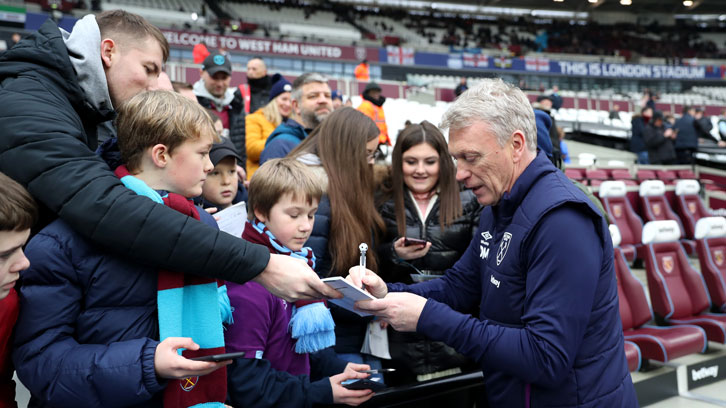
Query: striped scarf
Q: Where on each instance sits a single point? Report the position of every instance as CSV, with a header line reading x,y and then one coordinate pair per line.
x,y
188,306
311,323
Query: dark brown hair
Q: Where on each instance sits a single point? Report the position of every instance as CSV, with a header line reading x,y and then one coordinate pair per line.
x,y
340,143
450,203
278,177
159,117
129,28
18,211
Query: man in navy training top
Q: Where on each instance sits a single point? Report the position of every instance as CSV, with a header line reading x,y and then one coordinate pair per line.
x,y
540,268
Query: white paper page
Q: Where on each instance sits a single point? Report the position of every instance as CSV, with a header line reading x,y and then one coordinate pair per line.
x,y
351,294
232,219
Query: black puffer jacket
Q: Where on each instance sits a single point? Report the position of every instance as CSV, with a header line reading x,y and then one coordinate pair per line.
x,y
447,246
412,353
236,123
48,133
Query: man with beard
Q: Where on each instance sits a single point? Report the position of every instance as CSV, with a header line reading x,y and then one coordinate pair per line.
x,y
213,92
311,104
372,106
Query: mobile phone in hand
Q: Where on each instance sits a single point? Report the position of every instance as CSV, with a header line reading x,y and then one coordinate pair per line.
x,y
364,384
220,357
414,242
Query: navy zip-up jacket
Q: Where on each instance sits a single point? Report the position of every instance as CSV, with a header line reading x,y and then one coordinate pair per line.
x,y
541,270
282,140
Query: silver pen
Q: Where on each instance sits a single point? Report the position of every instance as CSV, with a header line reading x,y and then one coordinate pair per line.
x,y
363,248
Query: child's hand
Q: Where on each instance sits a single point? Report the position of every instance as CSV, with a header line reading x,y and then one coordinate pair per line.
x,y
342,395
170,365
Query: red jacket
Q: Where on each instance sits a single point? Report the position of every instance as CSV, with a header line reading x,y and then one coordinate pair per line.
x,y
9,308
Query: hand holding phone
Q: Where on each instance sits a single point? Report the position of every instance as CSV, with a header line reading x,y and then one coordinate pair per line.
x,y
219,357
414,242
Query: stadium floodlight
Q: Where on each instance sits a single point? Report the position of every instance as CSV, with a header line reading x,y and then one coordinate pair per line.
x,y
559,1
687,3
626,2
592,1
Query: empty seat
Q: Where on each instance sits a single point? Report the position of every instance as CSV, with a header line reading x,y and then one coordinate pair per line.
x,y
612,194
687,174
621,174
632,354
655,207
646,175
596,176
711,246
575,174
677,292
655,343
667,176
689,206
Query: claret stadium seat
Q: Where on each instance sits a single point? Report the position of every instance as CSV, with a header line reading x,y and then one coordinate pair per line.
x,y
633,355
689,206
655,343
711,246
656,208
596,176
612,195
677,292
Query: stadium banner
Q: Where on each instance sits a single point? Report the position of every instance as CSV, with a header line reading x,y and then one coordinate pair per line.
x,y
536,64
264,46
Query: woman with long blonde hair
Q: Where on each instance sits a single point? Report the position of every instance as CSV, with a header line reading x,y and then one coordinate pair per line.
x,y
260,124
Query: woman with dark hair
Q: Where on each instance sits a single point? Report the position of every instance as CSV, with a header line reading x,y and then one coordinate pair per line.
x,y
341,151
429,224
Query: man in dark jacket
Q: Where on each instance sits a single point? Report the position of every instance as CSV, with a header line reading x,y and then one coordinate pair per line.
x,y
213,92
659,141
258,84
311,104
687,138
549,330
638,124
60,78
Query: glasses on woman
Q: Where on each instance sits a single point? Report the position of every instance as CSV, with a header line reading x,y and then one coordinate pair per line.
x,y
372,156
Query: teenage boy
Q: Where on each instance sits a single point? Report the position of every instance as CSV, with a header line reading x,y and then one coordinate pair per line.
x,y
70,84
17,214
90,322
223,187
284,196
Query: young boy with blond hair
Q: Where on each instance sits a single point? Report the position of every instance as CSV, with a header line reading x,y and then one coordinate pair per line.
x,y
283,198
18,213
90,323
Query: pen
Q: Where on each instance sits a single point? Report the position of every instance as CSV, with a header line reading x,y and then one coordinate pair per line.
x,y
378,371
363,247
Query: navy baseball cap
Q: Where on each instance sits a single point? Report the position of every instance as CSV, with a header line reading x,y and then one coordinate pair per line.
x,y
221,150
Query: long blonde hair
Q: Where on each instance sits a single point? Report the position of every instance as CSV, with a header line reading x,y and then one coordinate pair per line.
x,y
272,113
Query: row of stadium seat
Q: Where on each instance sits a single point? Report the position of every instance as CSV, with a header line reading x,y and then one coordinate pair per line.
x,y
689,208
683,299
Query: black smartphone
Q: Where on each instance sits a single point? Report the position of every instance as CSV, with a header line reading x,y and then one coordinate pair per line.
x,y
220,357
365,384
414,241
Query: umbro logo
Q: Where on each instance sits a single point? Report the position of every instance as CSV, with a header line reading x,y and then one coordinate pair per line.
x,y
486,235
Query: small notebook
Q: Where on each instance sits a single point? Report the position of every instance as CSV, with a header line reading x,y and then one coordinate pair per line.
x,y
351,294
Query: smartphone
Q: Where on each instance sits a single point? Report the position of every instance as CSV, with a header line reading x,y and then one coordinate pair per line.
x,y
220,357
365,384
414,241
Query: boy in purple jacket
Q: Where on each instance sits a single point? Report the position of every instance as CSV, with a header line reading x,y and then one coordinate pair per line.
x,y
283,199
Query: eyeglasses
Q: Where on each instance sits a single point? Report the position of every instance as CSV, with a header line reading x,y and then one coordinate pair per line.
x,y
374,155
